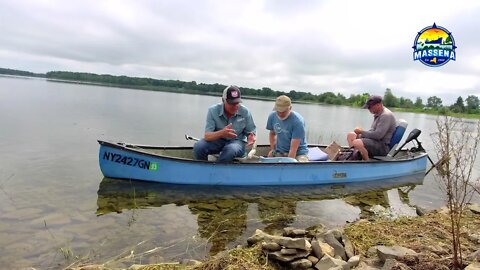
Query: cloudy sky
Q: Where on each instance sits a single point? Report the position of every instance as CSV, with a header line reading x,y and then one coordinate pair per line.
x,y
304,45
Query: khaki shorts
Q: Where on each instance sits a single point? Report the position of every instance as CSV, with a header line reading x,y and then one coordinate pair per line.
x,y
375,148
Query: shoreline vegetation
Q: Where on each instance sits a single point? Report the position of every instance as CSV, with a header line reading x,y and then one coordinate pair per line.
x,y
462,108
374,243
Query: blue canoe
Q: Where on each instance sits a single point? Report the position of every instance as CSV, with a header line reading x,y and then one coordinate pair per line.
x,y
175,165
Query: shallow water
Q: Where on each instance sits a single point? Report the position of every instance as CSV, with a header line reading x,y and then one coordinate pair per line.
x,y
56,208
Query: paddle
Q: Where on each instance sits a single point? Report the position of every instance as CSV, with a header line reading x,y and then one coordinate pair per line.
x,y
250,154
190,138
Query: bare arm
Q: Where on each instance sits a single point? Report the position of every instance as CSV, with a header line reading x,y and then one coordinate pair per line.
x,y
294,144
272,138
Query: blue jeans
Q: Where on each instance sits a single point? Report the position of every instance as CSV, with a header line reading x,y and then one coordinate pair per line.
x,y
228,149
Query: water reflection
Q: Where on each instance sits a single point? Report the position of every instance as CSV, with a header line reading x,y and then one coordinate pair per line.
x,y
223,212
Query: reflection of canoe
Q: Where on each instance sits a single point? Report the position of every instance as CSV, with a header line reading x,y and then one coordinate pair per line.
x,y
118,195
222,215
176,165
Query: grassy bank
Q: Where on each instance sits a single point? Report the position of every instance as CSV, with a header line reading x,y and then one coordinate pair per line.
x,y
428,235
437,113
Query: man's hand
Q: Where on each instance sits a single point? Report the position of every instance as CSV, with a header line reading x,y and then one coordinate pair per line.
x,y
358,130
228,132
251,139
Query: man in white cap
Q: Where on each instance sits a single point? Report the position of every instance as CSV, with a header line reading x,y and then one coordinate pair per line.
x,y
374,142
287,131
229,127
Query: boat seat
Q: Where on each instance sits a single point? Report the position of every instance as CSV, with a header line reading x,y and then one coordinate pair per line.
x,y
398,133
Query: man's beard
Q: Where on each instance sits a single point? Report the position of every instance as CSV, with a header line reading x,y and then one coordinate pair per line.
x,y
283,118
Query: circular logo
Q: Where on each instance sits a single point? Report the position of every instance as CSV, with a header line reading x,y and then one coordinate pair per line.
x,y
434,46
278,128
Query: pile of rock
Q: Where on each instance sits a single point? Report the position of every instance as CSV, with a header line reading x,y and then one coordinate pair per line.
x,y
301,250
327,250
331,250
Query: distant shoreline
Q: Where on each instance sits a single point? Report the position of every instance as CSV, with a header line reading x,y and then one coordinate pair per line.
x,y
265,94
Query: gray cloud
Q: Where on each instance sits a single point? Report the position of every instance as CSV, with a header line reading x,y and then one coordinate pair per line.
x,y
338,46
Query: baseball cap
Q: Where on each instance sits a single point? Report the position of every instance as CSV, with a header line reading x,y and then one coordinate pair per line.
x,y
282,103
372,100
232,94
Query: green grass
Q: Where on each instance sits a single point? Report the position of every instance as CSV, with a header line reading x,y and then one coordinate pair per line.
x,y
436,112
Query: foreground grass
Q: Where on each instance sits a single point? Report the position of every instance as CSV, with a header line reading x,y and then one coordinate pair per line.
x,y
239,258
427,234
417,233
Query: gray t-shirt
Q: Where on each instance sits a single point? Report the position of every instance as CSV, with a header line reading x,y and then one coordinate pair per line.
x,y
383,126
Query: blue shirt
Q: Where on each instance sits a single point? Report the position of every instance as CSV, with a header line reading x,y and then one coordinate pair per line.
x,y
291,128
242,121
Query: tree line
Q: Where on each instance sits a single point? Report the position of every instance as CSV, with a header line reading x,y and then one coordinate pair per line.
x,y
15,72
469,105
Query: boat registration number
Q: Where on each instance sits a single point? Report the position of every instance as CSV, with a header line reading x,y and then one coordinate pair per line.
x,y
130,161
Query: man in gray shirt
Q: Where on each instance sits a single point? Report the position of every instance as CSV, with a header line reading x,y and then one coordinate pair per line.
x,y
375,141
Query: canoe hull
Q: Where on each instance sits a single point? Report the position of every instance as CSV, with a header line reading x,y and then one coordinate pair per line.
x,y
127,163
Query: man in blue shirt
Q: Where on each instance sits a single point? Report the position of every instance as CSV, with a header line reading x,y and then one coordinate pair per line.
x,y
229,127
287,131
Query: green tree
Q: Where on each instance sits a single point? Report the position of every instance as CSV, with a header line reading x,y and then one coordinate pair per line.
x,y
434,102
458,106
472,103
190,85
341,99
357,100
267,92
20,72
418,103
405,102
323,97
389,99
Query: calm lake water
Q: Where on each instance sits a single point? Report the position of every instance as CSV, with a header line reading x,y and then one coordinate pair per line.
x,y
57,209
